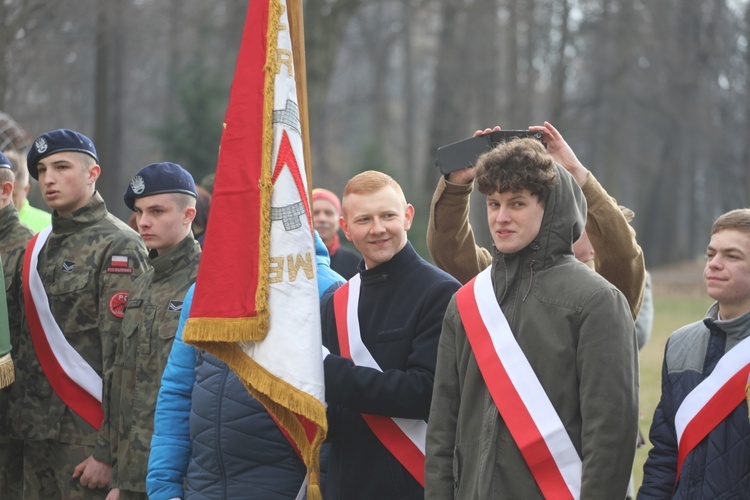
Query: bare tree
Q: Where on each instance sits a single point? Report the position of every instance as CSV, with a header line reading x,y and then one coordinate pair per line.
x,y
16,16
108,114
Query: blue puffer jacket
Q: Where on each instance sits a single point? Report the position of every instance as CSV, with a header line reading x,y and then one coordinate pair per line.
x,y
211,435
719,466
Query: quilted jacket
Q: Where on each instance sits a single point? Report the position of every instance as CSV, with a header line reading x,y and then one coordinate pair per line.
x,y
212,436
719,467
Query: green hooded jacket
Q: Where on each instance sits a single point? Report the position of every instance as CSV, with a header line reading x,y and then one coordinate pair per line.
x,y
577,333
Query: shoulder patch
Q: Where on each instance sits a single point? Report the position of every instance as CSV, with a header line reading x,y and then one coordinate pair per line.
x,y
174,306
119,265
68,266
117,302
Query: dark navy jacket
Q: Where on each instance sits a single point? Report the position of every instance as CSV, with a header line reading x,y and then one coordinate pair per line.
x,y
719,466
238,451
401,309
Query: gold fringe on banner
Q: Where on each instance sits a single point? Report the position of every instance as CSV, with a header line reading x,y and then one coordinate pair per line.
x,y
7,371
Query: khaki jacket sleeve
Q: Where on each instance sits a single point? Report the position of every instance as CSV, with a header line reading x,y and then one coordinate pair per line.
x,y
618,257
450,238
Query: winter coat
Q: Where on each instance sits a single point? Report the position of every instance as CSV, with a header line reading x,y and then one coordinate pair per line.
x,y
401,307
211,435
719,466
577,332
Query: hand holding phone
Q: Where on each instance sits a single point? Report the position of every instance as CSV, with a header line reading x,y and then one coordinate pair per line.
x,y
464,154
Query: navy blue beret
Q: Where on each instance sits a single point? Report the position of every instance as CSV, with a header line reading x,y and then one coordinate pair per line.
x,y
158,178
57,141
5,162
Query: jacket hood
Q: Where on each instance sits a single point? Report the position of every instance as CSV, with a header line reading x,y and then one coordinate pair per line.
x,y
563,222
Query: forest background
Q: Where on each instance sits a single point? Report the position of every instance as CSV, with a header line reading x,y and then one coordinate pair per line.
x,y
653,96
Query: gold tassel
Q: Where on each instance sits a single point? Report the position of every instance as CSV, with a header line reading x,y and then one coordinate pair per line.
x,y
7,371
249,329
287,400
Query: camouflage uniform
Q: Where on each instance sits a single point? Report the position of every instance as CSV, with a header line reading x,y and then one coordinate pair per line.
x,y
148,330
7,371
13,238
81,267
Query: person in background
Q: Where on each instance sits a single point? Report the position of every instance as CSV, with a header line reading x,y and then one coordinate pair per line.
x,y
202,208
326,209
163,197
536,386
645,320
382,330
700,431
80,271
33,217
608,244
132,223
13,238
207,183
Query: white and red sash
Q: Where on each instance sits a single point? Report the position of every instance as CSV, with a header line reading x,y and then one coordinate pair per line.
x,y
404,438
712,400
519,396
71,377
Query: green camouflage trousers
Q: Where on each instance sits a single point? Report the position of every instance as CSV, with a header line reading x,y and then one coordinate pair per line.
x,y
11,469
48,471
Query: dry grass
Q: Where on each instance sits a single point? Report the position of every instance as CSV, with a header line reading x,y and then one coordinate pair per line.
x,y
679,299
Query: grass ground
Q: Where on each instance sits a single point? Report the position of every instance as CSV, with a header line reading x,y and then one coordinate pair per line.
x,y
679,299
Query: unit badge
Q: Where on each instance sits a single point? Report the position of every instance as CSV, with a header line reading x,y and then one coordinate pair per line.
x,y
41,145
117,302
137,184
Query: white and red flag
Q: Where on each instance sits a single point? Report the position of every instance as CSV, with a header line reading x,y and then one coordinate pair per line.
x,y
256,303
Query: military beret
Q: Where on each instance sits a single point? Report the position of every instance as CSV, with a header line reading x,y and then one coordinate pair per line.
x,y
57,141
159,178
5,162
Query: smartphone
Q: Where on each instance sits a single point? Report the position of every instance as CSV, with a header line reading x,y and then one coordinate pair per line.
x,y
464,154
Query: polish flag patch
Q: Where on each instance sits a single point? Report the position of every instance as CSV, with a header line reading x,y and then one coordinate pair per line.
x,y
119,261
119,265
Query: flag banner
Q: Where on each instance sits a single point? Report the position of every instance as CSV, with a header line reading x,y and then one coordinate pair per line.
x,y
256,303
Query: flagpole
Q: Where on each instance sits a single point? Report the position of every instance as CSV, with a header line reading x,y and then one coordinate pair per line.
x,y
297,33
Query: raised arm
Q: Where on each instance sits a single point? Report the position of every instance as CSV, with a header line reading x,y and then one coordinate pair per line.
x,y
618,257
450,238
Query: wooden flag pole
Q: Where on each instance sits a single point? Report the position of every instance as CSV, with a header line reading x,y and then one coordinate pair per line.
x,y
297,33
